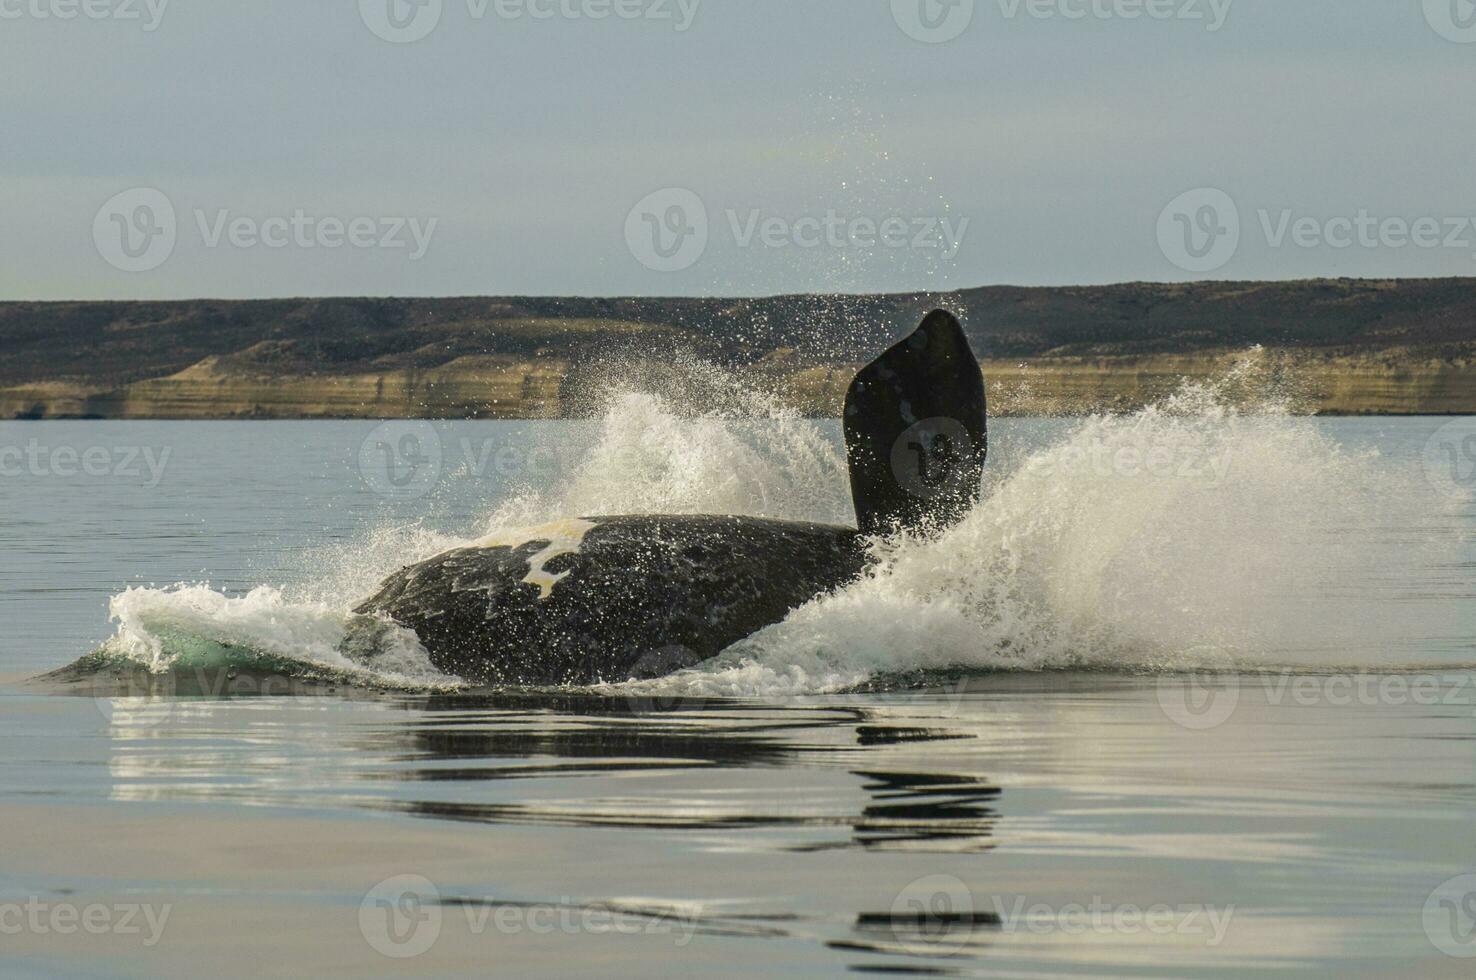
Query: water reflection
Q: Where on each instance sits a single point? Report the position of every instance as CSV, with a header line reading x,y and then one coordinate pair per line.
x,y
564,760
824,813
454,757
571,735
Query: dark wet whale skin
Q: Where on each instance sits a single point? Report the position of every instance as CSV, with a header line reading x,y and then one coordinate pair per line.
x,y
644,596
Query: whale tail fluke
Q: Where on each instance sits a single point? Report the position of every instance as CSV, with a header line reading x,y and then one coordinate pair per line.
x,y
916,431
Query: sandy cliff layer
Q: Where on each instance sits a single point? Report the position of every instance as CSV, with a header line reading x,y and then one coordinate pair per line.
x,y
1350,346
1391,382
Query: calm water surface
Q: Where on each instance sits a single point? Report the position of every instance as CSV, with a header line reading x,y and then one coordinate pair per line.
x,y
1067,823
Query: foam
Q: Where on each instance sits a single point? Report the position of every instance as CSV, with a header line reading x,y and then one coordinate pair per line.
x,y
1216,527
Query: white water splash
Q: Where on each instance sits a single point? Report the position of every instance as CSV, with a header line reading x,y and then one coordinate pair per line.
x,y
1190,533
193,625
1212,528
710,447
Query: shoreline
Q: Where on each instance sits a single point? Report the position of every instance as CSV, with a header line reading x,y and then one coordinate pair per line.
x,y
1330,347
1383,384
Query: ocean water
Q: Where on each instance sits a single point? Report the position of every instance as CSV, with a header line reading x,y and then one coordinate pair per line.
x,y
1191,692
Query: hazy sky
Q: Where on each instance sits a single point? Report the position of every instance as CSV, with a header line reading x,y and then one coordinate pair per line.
x,y
228,148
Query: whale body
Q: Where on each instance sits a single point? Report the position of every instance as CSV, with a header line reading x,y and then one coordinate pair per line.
x,y
608,599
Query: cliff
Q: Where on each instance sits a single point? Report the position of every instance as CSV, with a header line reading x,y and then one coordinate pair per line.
x,y
1351,346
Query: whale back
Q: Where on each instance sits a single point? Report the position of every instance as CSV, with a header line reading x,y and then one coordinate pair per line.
x,y
916,431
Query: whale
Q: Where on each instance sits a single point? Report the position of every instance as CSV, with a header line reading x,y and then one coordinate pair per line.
x,y
607,599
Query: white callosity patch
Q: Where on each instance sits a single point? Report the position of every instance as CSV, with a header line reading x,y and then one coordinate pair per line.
x,y
564,538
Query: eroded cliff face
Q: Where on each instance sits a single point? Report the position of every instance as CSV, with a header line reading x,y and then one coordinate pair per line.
x,y
1393,381
470,387
1346,346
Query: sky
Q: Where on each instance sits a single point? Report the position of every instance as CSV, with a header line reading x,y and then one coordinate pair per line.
x,y
159,149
